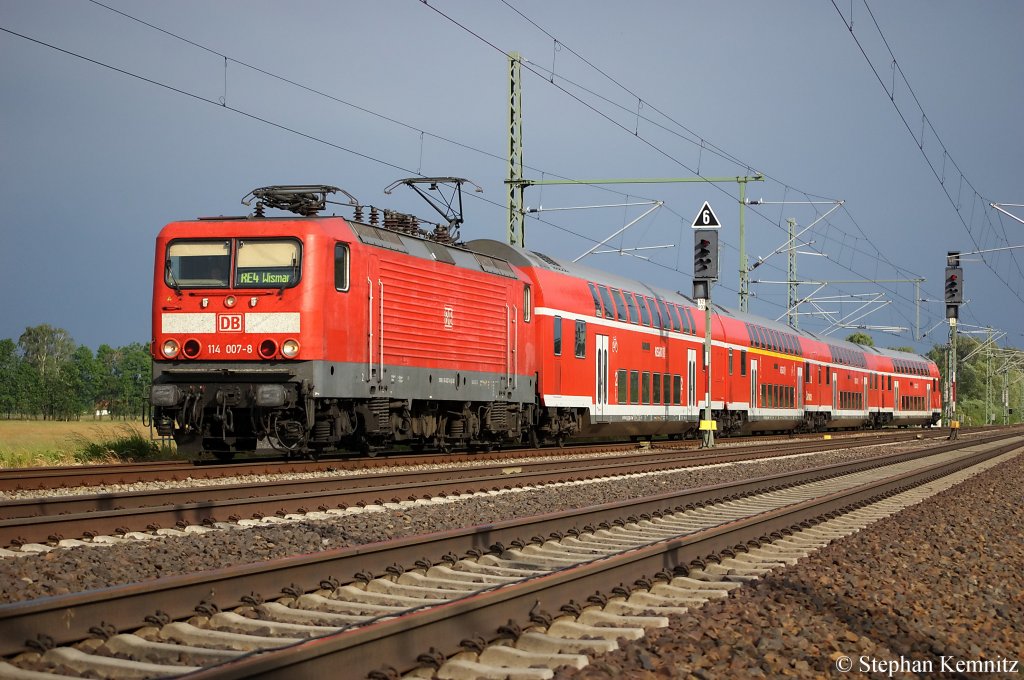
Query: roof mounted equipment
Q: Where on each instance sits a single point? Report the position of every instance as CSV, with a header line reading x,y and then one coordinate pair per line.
x,y
302,199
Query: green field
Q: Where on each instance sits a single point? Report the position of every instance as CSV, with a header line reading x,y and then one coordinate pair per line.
x,y
36,443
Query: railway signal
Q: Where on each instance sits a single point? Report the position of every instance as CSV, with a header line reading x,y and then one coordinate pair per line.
x,y
705,254
954,285
705,271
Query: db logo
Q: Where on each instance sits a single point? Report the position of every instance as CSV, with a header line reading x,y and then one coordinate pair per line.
x,y
449,317
229,323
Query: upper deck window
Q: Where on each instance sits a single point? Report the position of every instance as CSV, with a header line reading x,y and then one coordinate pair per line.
x,y
620,305
630,306
198,264
267,263
597,301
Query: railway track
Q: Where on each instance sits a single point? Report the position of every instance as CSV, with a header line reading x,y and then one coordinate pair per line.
x,y
37,523
543,582
62,477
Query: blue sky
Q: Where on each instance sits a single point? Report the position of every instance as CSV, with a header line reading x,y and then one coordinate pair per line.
x,y
93,161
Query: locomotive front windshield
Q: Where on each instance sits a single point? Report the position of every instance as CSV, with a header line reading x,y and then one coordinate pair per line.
x,y
238,263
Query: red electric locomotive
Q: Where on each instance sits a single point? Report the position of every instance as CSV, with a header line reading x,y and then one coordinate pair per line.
x,y
322,333
319,333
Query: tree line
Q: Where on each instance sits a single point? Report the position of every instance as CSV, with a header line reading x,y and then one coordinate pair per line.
x,y
46,374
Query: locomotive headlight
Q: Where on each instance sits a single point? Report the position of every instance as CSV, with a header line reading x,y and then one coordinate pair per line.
x,y
229,301
170,348
290,348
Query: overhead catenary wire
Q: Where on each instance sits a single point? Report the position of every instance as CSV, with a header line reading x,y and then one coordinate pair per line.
x,y
920,142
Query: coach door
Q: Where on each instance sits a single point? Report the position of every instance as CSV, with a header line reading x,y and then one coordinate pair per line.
x,y
835,392
800,387
928,396
896,406
691,377
753,385
601,379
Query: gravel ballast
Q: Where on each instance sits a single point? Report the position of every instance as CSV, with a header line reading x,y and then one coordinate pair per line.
x,y
936,590
83,568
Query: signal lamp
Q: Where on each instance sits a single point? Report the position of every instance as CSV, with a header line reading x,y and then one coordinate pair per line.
x,y
191,348
268,349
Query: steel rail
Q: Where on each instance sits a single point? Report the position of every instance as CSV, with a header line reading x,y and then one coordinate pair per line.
x,y
23,479
39,520
68,618
395,644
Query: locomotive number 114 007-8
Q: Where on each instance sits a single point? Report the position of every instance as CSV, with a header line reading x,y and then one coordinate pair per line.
x,y
230,348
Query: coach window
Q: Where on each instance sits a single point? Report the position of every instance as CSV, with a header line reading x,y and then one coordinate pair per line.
x,y
828,376
677,389
597,300
674,314
557,335
743,362
606,302
527,304
266,263
666,320
634,387
645,314
620,305
341,266
807,372
645,388
631,307
621,385
655,314
581,339
656,388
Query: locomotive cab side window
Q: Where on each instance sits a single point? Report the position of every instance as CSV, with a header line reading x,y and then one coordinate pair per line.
x,y
341,266
527,304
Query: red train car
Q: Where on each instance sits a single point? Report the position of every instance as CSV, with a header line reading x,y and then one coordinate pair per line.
x,y
324,333
619,357
319,333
